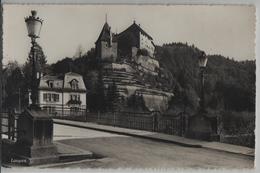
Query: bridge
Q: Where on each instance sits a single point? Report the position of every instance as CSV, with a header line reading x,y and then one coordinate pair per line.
x,y
117,147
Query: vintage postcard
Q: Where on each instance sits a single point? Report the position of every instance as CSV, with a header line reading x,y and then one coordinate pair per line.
x,y
128,86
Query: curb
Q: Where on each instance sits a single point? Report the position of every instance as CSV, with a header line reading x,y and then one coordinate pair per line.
x,y
226,151
134,135
153,138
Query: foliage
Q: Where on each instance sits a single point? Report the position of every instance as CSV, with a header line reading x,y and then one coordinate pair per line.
x,y
96,95
136,103
40,58
112,98
40,64
143,52
237,122
15,88
239,125
229,84
82,65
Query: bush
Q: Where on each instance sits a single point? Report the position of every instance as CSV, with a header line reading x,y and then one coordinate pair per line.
x,y
143,52
237,127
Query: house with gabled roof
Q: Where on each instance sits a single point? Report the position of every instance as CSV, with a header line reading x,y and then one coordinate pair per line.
x,y
62,92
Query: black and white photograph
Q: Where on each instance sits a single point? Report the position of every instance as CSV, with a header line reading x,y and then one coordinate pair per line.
x,y
129,86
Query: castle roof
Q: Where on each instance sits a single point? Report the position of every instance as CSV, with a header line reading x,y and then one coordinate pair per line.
x,y
105,33
135,27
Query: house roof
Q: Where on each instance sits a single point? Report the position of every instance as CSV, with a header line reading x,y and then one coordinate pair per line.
x,y
51,77
68,77
72,74
62,81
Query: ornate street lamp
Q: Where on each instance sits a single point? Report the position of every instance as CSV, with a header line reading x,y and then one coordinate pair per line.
x,y
199,126
34,25
202,65
35,125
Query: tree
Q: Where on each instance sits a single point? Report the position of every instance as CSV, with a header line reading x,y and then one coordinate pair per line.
x,y
79,52
11,66
40,57
63,66
136,103
112,98
228,82
96,95
16,85
40,64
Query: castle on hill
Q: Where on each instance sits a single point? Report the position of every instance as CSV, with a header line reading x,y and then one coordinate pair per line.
x,y
129,62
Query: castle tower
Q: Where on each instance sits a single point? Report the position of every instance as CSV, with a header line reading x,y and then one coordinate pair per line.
x,y
106,45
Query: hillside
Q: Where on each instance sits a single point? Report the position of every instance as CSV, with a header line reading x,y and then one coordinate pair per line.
x,y
229,84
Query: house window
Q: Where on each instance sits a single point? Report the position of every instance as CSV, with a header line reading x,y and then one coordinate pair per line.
x,y
50,83
74,84
75,97
49,97
44,96
50,109
74,100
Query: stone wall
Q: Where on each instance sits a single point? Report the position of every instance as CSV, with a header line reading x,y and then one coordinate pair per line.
x,y
146,43
128,84
156,102
147,64
108,52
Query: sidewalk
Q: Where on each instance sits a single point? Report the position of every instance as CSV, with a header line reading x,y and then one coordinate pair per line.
x,y
235,149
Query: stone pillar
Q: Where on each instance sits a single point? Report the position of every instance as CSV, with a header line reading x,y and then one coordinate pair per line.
x,y
35,137
199,127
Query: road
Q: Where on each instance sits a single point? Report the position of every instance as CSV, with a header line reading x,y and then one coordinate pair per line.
x,y
121,151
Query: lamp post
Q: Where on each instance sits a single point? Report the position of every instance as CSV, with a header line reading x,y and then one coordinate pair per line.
x,y
34,25
35,127
202,61
199,125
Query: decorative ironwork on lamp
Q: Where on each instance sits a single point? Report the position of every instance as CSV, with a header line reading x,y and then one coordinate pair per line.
x,y
34,25
202,61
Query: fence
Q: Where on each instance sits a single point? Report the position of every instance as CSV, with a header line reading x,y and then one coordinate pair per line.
x,y
174,125
9,125
142,121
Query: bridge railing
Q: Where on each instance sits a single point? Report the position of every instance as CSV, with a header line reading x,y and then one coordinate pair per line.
x,y
9,124
135,120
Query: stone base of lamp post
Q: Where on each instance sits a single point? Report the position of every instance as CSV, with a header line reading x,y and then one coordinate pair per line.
x,y
199,127
35,155
35,138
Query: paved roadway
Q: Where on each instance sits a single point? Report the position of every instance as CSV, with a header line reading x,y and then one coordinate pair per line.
x,y
121,151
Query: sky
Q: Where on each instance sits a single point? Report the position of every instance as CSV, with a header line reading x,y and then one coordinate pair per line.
x,y
225,30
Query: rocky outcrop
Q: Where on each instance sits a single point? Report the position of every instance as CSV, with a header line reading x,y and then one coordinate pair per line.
x,y
128,81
